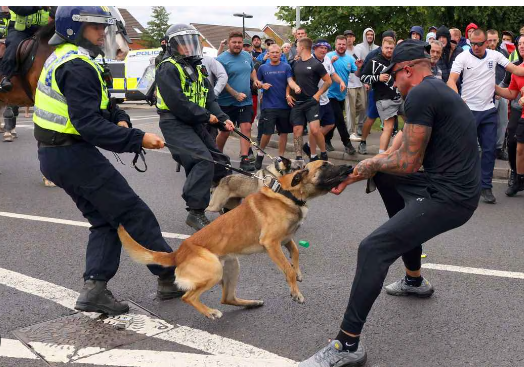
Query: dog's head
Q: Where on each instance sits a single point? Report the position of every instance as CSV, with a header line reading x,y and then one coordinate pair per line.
x,y
317,178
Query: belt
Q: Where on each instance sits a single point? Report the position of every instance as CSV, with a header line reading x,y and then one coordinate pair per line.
x,y
66,143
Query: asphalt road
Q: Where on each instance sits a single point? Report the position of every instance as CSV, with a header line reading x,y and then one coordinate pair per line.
x,y
472,320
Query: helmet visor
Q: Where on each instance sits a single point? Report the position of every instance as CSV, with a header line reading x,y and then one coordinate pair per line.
x,y
185,44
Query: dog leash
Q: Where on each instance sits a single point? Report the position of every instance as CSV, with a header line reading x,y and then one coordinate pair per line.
x,y
254,144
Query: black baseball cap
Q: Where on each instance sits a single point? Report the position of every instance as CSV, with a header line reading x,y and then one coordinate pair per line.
x,y
408,50
348,32
256,36
269,40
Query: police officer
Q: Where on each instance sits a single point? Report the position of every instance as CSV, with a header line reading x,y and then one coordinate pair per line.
x,y
72,118
24,22
185,102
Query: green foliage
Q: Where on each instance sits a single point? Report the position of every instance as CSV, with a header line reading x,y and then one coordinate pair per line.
x,y
156,27
329,21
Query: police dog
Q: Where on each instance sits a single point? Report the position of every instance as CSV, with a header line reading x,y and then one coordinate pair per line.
x,y
233,188
264,221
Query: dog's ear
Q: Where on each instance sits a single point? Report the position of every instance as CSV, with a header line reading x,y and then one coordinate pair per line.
x,y
286,162
298,177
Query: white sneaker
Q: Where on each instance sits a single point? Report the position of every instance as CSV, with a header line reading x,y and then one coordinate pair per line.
x,y
13,132
355,137
8,137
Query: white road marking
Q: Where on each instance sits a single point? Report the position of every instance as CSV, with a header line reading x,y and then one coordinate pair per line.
x,y
225,352
478,271
76,223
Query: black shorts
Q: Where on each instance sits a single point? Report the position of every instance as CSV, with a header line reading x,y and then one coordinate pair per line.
x,y
271,117
519,133
327,116
305,111
239,115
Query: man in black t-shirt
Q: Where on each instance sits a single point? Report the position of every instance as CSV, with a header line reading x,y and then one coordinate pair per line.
x,y
305,104
439,134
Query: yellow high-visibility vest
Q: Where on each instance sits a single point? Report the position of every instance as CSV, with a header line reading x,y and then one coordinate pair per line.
x,y
196,92
51,111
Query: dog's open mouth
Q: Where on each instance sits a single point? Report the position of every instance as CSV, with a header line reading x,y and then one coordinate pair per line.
x,y
332,176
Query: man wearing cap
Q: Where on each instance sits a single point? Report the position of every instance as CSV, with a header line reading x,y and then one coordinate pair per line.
x,y
256,42
356,95
440,134
432,29
478,70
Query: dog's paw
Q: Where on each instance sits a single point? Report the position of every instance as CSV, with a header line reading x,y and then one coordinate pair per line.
x,y
298,297
214,314
299,277
255,303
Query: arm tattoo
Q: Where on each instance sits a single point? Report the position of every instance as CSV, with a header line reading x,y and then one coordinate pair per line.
x,y
297,141
407,159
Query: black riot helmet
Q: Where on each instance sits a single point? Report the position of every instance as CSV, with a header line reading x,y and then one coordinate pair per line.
x,y
183,42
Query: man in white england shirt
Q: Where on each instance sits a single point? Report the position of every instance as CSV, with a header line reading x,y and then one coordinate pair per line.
x,y
478,67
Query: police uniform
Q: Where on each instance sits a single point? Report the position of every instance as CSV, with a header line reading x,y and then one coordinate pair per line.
x,y
184,107
24,22
72,118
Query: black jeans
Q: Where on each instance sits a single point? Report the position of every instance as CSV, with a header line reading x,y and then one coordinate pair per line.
x,y
340,123
512,138
415,217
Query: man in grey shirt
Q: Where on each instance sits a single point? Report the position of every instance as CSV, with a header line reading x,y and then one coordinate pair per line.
x,y
216,73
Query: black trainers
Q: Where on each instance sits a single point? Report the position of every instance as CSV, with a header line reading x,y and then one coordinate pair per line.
x,y
95,297
512,177
324,156
487,196
167,288
196,219
246,164
307,149
349,149
315,158
329,147
518,185
258,161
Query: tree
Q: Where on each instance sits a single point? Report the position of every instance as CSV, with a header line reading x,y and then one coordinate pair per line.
x,y
156,27
329,21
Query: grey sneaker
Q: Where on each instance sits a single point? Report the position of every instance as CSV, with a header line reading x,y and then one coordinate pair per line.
x,y
400,288
362,149
329,147
334,356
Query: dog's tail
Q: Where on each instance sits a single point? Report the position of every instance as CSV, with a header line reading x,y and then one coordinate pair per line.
x,y
142,255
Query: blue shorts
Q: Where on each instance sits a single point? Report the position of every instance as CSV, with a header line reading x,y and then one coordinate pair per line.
x,y
372,111
327,117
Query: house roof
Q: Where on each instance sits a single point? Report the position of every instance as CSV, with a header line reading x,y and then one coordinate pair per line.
x,y
214,34
133,28
283,31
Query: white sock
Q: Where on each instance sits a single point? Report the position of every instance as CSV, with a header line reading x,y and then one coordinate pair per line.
x,y
381,151
313,155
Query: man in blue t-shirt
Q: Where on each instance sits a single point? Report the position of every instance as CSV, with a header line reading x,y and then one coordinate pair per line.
x,y
235,100
274,76
344,65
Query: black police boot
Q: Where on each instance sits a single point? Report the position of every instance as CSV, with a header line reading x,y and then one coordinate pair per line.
x,y
518,185
5,85
487,196
512,177
196,219
95,297
329,147
167,288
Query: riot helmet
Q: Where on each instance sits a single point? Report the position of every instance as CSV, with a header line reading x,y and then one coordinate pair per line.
x,y
183,42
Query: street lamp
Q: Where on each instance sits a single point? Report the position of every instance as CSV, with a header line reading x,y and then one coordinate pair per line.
x,y
243,16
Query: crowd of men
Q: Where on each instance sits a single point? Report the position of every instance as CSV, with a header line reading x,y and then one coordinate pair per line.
x,y
351,91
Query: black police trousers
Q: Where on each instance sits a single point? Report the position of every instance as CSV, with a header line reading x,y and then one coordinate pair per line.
x,y
106,200
200,174
415,217
13,39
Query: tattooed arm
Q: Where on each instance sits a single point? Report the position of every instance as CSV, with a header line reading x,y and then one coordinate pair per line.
x,y
407,159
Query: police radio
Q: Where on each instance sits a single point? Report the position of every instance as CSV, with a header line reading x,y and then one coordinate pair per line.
x,y
106,74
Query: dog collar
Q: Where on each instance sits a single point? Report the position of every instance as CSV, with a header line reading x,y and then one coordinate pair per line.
x,y
291,196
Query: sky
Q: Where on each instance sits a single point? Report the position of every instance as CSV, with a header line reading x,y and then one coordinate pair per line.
x,y
221,15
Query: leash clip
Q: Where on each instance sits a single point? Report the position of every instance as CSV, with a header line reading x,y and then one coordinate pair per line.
x,y
273,185
141,155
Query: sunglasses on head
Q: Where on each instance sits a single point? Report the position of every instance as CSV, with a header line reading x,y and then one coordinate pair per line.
x,y
478,44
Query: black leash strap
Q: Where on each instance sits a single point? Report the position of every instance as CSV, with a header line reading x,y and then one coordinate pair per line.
x,y
141,155
253,144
